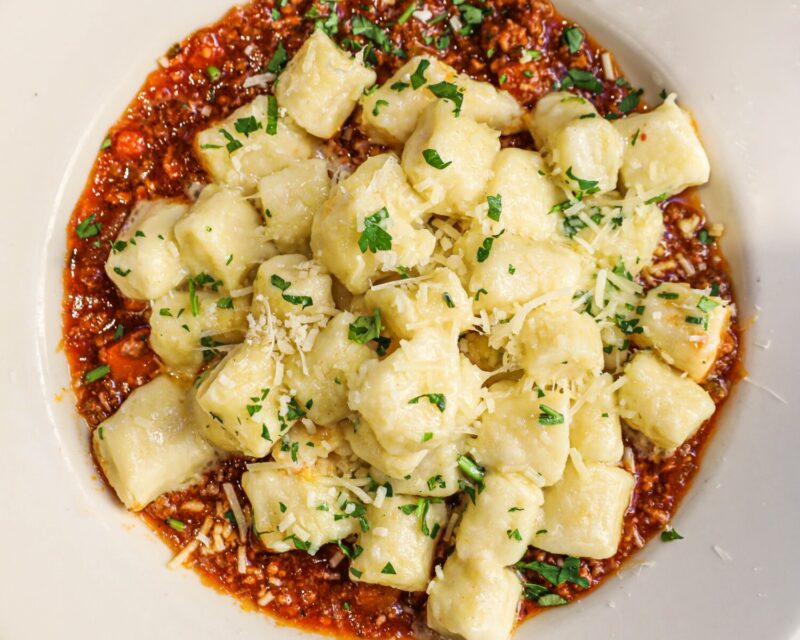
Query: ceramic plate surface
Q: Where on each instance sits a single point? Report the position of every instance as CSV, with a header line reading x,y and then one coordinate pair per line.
x,y
73,564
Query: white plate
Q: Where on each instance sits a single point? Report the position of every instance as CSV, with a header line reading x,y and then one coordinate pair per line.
x,y
73,564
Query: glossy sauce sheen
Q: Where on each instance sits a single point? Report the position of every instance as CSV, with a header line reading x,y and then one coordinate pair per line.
x,y
148,154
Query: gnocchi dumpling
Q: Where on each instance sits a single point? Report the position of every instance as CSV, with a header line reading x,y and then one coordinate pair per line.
x,y
322,376
436,475
507,270
595,430
583,513
186,329
389,114
295,509
290,285
239,404
663,153
497,108
418,397
290,198
399,545
503,520
474,599
554,111
520,196
144,261
221,235
587,155
321,85
665,406
437,301
558,343
254,141
150,445
627,236
365,445
371,223
525,429
448,159
686,326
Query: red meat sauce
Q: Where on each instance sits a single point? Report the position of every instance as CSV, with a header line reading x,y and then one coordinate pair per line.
x,y
149,154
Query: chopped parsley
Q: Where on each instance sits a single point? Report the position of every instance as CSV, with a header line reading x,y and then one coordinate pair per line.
x,y
225,303
705,237
436,399
433,159
707,304
272,115
479,292
436,481
470,468
362,26
582,79
631,101
374,237
376,110
232,143
418,77
106,144
88,228
420,510
668,295
668,535
448,300
388,569
97,373
176,524
399,86
194,301
550,416
247,125
514,534
119,332
586,186
278,60
573,38
486,247
302,545
495,206
213,73
411,8
656,199
472,17
555,575
550,600
365,328
283,285
448,91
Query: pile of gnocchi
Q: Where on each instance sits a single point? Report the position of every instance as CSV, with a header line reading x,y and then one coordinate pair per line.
x,y
441,345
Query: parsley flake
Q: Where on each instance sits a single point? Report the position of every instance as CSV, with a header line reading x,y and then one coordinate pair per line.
x,y
495,207
433,159
418,77
437,399
374,237
573,38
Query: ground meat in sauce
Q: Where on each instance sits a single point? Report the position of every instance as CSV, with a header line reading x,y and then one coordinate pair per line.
x,y
148,154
